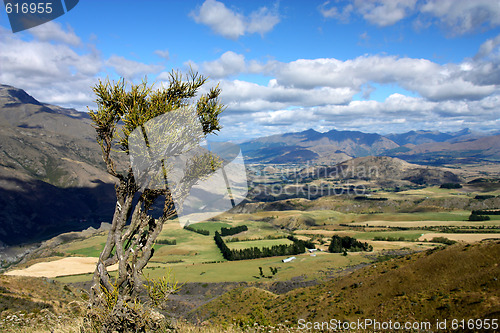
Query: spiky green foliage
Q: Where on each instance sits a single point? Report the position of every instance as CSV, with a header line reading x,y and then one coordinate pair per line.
x,y
120,111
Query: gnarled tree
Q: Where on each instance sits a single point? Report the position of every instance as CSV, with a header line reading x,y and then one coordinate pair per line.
x,y
120,110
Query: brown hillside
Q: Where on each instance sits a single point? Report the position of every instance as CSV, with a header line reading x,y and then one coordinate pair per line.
x,y
460,281
383,168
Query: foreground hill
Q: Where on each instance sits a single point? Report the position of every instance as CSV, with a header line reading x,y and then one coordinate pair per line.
x,y
460,281
52,178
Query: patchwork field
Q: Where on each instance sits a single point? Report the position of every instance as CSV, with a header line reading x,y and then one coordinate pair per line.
x,y
403,221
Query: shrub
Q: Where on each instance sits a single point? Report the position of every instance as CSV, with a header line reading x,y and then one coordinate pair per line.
x,y
443,240
341,244
474,217
450,185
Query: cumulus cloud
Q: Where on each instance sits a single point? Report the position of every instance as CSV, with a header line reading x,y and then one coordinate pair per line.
x,y
231,24
229,63
397,111
163,54
462,16
131,69
53,31
488,47
331,11
378,12
457,16
384,12
55,68
431,80
247,96
52,73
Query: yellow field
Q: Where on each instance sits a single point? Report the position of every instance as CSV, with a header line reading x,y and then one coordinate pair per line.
x,y
468,238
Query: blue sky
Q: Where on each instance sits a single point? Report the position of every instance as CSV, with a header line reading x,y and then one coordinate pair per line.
x,y
371,65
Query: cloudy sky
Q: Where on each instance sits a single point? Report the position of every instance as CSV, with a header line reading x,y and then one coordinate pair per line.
x,y
386,66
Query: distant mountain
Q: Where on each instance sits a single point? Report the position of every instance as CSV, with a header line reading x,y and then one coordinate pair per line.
x,y
383,169
467,151
52,178
421,137
329,147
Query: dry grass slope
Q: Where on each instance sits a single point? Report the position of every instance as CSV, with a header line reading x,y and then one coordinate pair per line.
x,y
460,281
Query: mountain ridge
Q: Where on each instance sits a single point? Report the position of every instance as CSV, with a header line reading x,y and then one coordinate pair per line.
x,y
338,146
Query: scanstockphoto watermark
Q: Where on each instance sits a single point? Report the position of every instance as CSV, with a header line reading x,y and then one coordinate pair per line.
x,y
378,325
363,324
308,191
354,170
170,152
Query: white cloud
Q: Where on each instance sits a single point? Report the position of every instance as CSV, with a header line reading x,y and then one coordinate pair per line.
x,y
262,21
247,96
431,80
53,31
384,12
229,63
163,54
342,15
457,16
230,24
52,73
462,16
488,47
55,68
378,12
398,113
130,69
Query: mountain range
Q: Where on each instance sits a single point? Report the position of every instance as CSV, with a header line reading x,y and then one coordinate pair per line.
x,y
53,179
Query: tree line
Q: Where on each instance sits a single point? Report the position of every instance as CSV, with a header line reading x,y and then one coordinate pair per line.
x,y
200,231
486,212
342,244
233,230
298,246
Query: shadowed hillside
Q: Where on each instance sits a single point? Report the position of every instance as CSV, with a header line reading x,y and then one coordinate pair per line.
x,y
52,178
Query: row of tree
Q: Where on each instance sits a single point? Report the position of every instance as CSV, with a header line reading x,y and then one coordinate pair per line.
x,y
166,241
342,244
297,247
200,231
233,230
486,212
450,185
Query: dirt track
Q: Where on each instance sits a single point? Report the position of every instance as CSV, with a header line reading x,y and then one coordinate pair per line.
x,y
61,267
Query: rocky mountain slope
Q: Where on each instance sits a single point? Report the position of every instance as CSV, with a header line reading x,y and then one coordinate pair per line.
x,y
52,178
